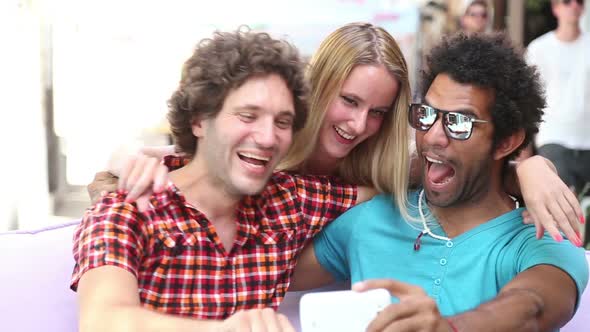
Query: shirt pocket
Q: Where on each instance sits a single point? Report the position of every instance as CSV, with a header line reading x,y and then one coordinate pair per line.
x,y
171,276
266,264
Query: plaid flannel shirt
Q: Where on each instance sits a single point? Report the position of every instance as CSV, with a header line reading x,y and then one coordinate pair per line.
x,y
179,261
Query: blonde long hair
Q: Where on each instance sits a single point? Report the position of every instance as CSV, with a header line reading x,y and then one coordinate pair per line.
x,y
381,161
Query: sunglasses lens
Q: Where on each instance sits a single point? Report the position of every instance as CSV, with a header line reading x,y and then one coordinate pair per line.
x,y
422,117
458,126
567,2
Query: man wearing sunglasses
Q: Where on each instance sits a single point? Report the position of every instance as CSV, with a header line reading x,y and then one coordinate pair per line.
x,y
475,19
463,260
563,59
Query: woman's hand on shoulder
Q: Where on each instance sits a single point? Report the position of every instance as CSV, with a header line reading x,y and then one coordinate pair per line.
x,y
141,176
139,172
551,204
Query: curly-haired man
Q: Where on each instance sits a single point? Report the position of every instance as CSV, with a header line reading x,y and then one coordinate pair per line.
x,y
219,243
471,262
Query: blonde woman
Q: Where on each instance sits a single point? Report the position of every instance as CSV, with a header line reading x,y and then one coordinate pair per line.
x,y
358,130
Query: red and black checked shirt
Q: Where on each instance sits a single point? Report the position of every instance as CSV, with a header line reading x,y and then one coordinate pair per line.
x,y
178,259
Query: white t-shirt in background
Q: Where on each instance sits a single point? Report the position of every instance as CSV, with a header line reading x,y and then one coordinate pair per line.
x,y
565,70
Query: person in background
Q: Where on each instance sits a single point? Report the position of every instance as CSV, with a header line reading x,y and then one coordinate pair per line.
x,y
476,17
562,57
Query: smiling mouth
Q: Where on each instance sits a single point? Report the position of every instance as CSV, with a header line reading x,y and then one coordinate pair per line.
x,y
438,171
254,159
344,134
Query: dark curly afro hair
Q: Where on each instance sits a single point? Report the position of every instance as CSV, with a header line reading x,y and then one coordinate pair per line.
x,y
491,61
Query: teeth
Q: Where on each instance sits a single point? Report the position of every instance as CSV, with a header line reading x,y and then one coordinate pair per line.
x,y
344,134
434,160
253,156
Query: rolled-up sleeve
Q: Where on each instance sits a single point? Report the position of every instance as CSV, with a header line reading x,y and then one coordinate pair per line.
x,y
111,233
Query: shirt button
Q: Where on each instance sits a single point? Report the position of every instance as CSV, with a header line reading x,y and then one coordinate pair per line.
x,y
449,244
443,261
437,282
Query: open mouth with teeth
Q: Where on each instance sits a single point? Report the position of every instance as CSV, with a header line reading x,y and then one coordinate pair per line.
x,y
253,159
344,134
439,172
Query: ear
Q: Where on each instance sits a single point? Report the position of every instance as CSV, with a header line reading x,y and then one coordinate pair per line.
x,y
509,144
198,126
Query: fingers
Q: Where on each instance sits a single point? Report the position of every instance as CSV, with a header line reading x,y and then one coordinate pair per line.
x,y
143,202
141,178
141,162
272,321
258,320
395,288
569,224
160,178
556,213
141,175
571,198
415,313
390,318
551,203
540,230
544,220
560,219
284,324
125,171
526,217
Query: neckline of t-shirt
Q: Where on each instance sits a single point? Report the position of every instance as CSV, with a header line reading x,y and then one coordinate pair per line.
x,y
509,216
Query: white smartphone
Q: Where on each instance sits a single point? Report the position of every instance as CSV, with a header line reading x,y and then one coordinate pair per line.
x,y
341,310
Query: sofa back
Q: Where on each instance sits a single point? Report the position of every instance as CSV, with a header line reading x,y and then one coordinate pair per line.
x,y
35,279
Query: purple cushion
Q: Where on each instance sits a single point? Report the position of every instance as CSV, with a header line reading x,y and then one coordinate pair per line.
x,y
581,320
36,270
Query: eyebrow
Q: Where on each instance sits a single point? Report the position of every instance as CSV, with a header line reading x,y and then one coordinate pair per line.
x,y
357,98
256,108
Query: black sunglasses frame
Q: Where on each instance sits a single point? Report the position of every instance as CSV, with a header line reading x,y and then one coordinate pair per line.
x,y
567,2
445,121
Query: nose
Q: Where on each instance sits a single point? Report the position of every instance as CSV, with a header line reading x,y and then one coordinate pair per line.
x,y
358,122
265,134
436,135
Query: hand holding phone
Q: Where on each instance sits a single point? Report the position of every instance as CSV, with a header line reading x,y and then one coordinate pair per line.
x,y
349,311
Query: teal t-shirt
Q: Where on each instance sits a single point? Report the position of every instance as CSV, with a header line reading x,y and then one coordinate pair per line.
x,y
372,240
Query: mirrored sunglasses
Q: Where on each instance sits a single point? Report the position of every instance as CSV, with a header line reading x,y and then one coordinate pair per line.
x,y
457,125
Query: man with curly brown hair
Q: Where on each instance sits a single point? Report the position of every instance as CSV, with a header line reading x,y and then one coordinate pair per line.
x,y
217,246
